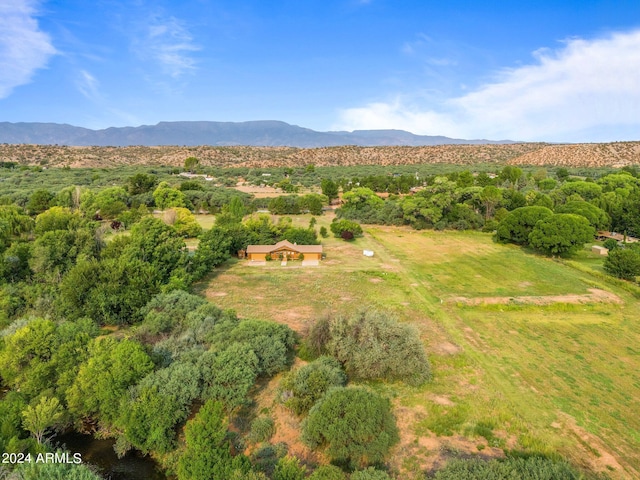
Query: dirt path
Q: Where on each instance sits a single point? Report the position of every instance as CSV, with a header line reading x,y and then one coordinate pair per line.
x,y
595,296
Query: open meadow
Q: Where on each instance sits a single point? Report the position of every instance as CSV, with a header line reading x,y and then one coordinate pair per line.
x,y
528,353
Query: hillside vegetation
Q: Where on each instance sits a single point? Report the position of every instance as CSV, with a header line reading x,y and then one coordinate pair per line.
x,y
579,155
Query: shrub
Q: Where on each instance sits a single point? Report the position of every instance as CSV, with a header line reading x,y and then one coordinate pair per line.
x,y
323,232
288,468
339,227
371,344
610,244
328,472
370,474
623,263
302,388
353,425
262,429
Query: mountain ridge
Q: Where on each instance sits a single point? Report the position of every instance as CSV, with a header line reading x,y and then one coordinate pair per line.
x,y
255,133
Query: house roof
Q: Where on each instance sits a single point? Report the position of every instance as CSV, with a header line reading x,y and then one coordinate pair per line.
x,y
284,245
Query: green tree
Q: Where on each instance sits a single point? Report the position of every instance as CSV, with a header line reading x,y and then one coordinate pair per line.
x,y
110,202
342,226
312,203
236,208
190,164
42,416
597,217
353,426
213,250
39,201
207,452
230,374
57,218
562,174
110,291
166,196
329,188
623,263
561,233
372,344
103,379
519,223
510,175
157,244
141,183
183,221
14,222
158,404
14,263
490,197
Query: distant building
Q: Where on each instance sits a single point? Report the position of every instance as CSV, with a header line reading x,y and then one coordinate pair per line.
x,y
258,253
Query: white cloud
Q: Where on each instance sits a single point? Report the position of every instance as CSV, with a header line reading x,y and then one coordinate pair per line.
x,y
88,85
24,48
166,41
585,86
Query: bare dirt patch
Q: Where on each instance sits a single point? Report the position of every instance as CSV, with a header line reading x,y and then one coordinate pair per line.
x,y
375,280
442,400
296,318
446,348
287,425
416,454
599,458
217,294
596,295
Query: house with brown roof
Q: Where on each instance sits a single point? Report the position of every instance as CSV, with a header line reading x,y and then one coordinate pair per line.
x,y
284,249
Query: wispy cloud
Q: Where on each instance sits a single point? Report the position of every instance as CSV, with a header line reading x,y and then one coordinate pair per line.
x,y
24,48
88,85
580,87
166,41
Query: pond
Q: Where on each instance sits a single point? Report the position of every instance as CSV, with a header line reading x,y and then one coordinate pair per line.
x,y
133,466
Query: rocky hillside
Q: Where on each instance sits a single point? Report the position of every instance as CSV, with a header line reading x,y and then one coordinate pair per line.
x,y
579,155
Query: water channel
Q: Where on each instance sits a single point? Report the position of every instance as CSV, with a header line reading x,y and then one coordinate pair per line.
x,y
133,466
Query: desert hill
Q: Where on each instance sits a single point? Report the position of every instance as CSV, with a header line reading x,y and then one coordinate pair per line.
x,y
579,155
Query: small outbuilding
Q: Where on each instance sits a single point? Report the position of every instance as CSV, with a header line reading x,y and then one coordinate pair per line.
x,y
600,250
284,249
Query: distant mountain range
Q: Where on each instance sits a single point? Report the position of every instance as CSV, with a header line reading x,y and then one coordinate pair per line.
x,y
267,133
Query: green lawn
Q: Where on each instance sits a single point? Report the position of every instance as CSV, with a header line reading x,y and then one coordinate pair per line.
x,y
557,378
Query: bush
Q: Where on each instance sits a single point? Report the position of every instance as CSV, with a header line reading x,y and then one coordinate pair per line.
x,y
370,474
289,468
328,472
262,429
610,244
302,388
623,263
353,426
340,227
372,345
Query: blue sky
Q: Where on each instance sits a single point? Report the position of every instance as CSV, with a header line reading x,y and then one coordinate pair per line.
x,y
527,70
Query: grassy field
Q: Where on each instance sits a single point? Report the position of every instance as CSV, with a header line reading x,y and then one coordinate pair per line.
x,y
561,377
